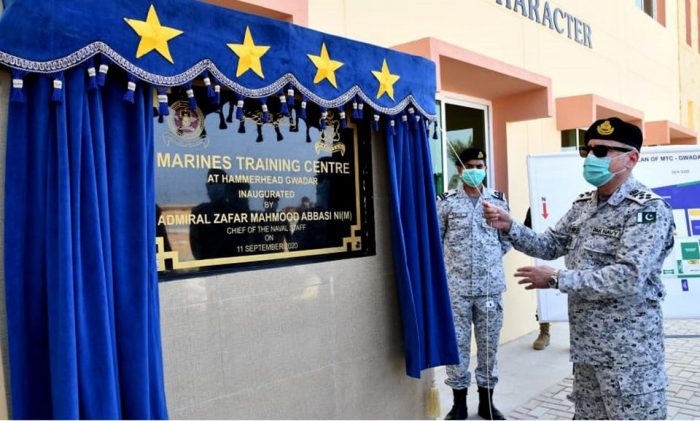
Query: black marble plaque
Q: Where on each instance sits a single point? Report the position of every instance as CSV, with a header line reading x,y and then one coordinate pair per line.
x,y
232,194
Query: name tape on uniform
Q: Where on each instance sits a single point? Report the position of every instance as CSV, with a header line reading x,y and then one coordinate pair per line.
x,y
606,231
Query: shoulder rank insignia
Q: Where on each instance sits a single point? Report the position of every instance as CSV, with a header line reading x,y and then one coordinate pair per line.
x,y
642,196
584,196
445,195
497,194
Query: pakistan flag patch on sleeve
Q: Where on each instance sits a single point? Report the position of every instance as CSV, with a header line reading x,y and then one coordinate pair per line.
x,y
646,217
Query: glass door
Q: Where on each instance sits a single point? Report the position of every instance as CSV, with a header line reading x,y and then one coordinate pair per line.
x,y
464,124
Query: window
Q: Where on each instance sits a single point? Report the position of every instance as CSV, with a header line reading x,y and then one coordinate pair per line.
x,y
464,124
648,6
571,139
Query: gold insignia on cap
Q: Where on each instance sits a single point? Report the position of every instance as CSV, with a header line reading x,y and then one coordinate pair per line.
x,y
605,128
480,156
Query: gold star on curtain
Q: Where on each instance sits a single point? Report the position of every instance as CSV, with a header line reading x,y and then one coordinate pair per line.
x,y
249,55
153,35
386,81
325,67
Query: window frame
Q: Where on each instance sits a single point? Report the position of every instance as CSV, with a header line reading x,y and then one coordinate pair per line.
x,y
466,102
580,139
641,5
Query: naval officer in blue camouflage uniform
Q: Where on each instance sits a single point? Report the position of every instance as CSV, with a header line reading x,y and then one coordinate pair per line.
x,y
473,260
615,240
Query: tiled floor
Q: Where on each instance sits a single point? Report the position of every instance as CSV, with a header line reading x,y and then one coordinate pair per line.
x,y
531,389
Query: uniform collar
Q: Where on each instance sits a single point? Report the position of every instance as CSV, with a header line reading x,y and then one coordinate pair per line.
x,y
625,188
484,192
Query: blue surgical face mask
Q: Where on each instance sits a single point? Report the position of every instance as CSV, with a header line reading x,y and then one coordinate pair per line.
x,y
473,176
597,170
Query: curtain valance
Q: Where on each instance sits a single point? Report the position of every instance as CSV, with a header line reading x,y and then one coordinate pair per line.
x,y
173,42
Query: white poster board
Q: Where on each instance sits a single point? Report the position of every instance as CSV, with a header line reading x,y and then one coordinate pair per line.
x,y
673,172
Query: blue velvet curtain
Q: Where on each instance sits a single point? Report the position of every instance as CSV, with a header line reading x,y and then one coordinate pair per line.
x,y
428,329
80,273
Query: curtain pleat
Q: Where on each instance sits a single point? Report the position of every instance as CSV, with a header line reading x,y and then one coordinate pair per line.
x,y
428,329
81,283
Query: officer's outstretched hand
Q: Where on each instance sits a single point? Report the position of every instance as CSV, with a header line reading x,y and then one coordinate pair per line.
x,y
497,217
535,277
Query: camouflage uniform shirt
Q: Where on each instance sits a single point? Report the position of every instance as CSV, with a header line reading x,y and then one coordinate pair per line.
x,y
472,249
614,254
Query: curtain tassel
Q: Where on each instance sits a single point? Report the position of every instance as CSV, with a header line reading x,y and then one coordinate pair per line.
x,y
229,116
360,108
222,120
355,115
279,133
293,124
404,119
57,93
284,109
191,101
265,112
130,89
308,135
412,117
163,109
102,72
241,126
343,121
217,94
239,108
207,83
375,122
324,116
392,126
290,96
435,129
303,108
16,94
260,136
92,75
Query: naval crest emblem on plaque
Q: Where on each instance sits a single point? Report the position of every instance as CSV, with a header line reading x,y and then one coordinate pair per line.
x,y
186,125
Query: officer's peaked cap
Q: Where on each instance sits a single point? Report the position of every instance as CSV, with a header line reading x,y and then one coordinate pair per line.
x,y
615,129
471,153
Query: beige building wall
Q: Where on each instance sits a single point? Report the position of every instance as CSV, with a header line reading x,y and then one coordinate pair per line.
x,y
633,61
689,59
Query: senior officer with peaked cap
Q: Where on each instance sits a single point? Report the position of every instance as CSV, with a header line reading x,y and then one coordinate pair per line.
x,y
615,239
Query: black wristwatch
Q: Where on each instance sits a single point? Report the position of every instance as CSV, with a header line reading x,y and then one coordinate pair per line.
x,y
554,280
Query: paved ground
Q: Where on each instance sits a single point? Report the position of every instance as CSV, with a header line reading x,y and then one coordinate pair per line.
x,y
534,384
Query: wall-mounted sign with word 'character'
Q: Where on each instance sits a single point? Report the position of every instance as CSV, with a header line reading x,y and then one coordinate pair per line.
x,y
242,184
